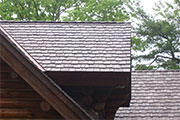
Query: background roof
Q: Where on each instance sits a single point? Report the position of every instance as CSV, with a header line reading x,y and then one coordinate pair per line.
x,y
155,95
75,46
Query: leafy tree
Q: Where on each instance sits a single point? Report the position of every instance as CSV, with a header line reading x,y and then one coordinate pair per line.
x,y
158,37
33,9
99,10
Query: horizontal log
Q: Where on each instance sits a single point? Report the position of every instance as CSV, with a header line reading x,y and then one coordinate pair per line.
x,y
5,68
8,75
10,79
22,99
5,76
25,113
17,90
14,85
20,104
28,119
18,94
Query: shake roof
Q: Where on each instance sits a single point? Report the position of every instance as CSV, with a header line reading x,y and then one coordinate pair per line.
x,y
18,59
155,95
75,46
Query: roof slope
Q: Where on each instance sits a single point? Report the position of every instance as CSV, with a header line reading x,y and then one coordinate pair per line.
x,y
155,95
75,46
17,59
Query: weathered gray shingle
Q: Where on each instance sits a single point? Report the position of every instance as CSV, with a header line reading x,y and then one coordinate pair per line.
x,y
75,46
155,96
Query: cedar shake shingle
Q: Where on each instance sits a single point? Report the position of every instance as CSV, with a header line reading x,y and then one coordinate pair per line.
x,y
155,96
75,46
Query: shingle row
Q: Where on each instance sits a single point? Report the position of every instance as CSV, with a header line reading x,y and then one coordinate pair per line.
x,y
155,95
76,46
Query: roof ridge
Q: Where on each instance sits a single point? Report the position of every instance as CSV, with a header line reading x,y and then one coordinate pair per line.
x,y
110,22
172,70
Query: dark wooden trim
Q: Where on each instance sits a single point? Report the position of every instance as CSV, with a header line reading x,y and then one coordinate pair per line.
x,y
96,79
41,83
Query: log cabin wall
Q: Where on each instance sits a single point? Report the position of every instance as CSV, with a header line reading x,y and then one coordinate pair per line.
x,y
19,101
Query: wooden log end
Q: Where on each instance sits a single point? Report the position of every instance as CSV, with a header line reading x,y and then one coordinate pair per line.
x,y
45,107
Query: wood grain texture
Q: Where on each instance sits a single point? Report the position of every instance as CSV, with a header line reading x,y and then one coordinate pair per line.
x,y
26,113
19,101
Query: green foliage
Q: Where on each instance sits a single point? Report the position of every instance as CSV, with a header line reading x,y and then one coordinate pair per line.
x,y
159,37
98,10
71,10
33,9
137,44
144,67
169,64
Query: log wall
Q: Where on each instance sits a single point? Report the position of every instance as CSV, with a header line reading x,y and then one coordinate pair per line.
x,y
18,100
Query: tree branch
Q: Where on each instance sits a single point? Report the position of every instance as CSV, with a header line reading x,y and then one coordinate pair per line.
x,y
178,60
153,61
58,13
163,36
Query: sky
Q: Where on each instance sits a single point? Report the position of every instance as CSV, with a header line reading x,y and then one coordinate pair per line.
x,y
149,4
